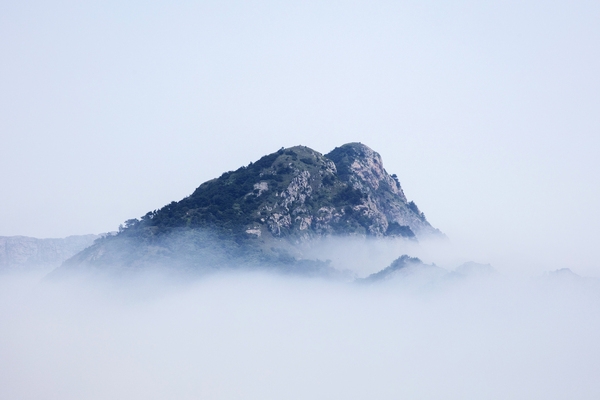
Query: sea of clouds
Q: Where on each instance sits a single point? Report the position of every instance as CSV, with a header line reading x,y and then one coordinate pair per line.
x,y
257,335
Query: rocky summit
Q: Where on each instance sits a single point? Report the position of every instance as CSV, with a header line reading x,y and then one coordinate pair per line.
x,y
259,212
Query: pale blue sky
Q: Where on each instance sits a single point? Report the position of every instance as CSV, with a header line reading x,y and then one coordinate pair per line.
x,y
488,112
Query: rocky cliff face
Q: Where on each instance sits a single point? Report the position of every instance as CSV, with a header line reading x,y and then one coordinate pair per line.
x,y
21,252
291,196
298,193
384,201
349,192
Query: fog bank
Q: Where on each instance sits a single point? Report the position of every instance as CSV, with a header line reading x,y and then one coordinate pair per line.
x,y
259,336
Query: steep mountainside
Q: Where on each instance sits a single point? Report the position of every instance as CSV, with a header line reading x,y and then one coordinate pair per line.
x,y
260,211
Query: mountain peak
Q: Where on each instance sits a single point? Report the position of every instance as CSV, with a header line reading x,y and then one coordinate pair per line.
x,y
290,196
363,168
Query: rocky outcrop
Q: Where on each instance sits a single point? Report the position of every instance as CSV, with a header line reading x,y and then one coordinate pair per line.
x,y
21,252
355,193
384,201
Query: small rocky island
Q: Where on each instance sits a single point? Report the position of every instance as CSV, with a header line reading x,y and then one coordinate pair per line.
x,y
261,213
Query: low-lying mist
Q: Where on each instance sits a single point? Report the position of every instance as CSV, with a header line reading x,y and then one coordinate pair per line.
x,y
259,335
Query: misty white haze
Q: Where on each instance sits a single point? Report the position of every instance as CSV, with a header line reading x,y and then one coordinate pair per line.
x,y
488,113
259,336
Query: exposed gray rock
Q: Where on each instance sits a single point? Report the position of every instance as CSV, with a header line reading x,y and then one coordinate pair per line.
x,y
385,202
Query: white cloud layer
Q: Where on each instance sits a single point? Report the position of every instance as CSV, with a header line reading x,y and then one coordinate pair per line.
x,y
257,336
